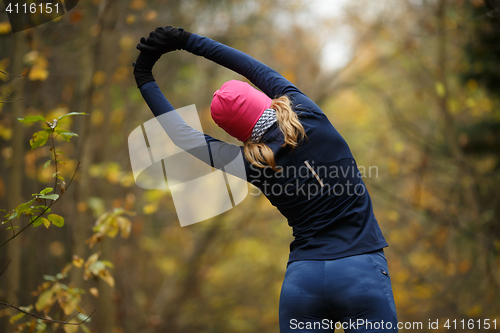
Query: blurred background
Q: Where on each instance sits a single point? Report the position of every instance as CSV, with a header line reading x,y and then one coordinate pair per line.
x,y
412,85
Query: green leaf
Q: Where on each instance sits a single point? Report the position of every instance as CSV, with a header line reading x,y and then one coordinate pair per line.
x,y
49,196
31,119
38,221
39,139
440,89
83,317
24,207
64,131
38,209
108,263
67,135
16,317
46,164
56,220
40,326
49,278
46,190
12,227
72,114
10,216
46,222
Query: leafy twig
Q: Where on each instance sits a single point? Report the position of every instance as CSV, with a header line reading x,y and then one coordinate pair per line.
x,y
47,319
43,212
39,215
12,227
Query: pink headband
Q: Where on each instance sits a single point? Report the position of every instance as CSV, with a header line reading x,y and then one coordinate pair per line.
x,y
237,106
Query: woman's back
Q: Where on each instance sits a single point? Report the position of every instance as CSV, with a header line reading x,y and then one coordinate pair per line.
x,y
319,189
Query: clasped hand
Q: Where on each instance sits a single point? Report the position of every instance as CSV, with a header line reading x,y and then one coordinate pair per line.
x,y
164,39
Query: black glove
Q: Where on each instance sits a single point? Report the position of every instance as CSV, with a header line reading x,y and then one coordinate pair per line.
x,y
143,66
165,39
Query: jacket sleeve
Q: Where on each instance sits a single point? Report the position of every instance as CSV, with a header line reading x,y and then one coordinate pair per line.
x,y
216,153
262,76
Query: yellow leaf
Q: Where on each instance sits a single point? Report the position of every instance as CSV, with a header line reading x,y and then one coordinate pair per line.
x,y
112,228
150,16
92,259
94,292
16,317
440,89
77,261
71,328
127,43
475,311
68,303
130,19
46,222
30,57
125,226
66,269
5,133
44,300
81,207
38,73
149,209
107,277
4,28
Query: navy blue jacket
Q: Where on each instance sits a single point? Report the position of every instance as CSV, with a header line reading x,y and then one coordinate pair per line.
x,y
329,210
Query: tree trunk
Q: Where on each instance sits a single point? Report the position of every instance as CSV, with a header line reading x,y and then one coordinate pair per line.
x,y
16,175
82,221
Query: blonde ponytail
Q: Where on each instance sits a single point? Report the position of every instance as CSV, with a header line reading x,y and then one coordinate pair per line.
x,y
258,153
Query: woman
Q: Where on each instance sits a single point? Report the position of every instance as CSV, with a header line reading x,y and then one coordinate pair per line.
x,y
337,271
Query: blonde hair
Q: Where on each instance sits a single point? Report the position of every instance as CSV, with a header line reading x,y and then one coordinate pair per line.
x,y
258,153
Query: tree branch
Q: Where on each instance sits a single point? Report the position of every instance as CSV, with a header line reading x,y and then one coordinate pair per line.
x,y
43,212
7,266
12,75
3,99
47,319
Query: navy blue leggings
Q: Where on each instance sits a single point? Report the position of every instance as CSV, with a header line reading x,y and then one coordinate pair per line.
x,y
353,292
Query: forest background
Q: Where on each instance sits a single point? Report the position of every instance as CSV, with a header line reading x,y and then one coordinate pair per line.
x,y
412,85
